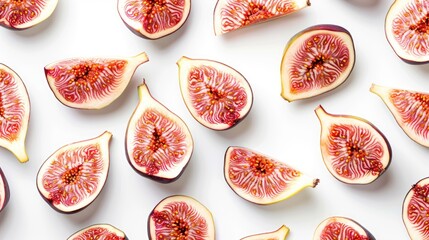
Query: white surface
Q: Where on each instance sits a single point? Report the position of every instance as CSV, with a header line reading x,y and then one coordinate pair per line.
x,y
287,131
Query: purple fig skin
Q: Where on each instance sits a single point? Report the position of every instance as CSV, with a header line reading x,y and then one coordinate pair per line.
x,y
6,190
93,225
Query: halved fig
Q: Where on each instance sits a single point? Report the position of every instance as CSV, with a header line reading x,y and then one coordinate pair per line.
x,y
99,231
14,113
354,151
153,19
279,234
261,179
215,94
410,109
4,191
230,15
180,217
91,83
316,60
341,228
158,143
23,14
415,210
73,176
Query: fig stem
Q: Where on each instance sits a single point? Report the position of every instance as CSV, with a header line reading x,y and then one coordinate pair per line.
x,y
20,154
140,58
320,112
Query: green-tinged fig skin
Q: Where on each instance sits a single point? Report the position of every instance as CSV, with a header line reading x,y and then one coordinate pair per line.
x,y
267,234
368,233
93,225
6,190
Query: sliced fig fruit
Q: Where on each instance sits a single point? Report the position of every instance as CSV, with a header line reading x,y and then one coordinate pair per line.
x,y
261,179
91,83
215,94
279,234
4,191
316,60
230,15
410,109
353,150
158,143
14,113
23,14
154,19
180,217
99,231
341,228
73,176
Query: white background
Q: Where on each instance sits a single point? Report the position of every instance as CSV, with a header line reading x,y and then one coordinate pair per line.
x,y
286,131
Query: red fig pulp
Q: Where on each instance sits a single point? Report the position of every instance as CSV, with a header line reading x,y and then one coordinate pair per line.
x,y
414,210
99,232
24,14
341,228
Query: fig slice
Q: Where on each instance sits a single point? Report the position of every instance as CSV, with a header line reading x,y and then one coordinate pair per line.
x,y
354,151
261,179
230,15
215,94
99,231
279,234
74,175
154,19
409,108
316,60
4,191
180,217
341,228
91,83
23,14
14,113
158,143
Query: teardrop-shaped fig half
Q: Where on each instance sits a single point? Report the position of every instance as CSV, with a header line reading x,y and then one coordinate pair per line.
x,y
4,191
74,175
354,151
91,83
14,112
410,110
153,19
23,14
215,94
341,228
279,234
158,143
99,231
230,15
261,179
180,217
315,61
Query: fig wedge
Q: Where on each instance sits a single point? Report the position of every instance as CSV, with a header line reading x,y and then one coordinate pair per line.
x,y
158,143
99,231
4,191
74,175
354,151
414,210
341,228
279,234
215,94
91,83
260,179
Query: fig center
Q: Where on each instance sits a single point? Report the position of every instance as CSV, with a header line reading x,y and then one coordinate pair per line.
x,y
421,26
83,74
181,228
255,13
157,141
72,176
261,166
214,93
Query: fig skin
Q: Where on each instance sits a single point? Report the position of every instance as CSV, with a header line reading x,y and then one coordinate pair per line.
x,y
103,225
6,190
342,219
279,234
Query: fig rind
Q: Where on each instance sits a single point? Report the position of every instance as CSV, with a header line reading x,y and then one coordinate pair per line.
x,y
279,234
116,234
353,225
4,191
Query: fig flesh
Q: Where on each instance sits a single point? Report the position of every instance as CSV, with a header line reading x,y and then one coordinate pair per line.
x,y
215,94
4,191
74,175
154,19
158,143
316,60
180,217
279,234
341,228
23,14
261,179
354,151
14,113
99,231
230,15
91,83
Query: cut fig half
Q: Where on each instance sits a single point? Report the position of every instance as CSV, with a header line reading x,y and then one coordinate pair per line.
x,y
414,210
354,151
74,175
91,83
230,15
261,179
279,234
215,94
154,19
23,14
341,228
4,191
158,143
180,217
14,113
410,110
316,60
99,231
